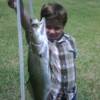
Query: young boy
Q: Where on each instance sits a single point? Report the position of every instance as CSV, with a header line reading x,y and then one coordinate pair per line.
x,y
61,50
62,53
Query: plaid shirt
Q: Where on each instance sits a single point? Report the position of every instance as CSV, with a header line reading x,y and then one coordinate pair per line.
x,y
62,54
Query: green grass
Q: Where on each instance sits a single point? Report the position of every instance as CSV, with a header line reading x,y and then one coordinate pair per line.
x,y
83,24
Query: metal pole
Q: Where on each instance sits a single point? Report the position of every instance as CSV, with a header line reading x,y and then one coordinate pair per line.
x,y
31,8
21,58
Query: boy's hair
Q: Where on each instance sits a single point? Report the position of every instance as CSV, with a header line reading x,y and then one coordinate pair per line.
x,y
54,13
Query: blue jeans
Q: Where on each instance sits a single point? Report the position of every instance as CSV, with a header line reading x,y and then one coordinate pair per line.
x,y
74,98
63,97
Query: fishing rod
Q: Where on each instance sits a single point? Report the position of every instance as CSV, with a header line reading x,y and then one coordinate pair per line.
x,y
21,58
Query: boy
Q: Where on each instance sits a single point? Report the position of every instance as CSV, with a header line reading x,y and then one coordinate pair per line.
x,y
61,50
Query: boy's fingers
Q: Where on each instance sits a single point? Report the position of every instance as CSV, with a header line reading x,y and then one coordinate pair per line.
x,y
11,3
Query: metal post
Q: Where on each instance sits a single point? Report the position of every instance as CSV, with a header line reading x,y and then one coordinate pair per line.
x,y
31,8
21,58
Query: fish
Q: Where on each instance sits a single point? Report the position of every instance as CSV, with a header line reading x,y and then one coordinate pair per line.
x,y
38,61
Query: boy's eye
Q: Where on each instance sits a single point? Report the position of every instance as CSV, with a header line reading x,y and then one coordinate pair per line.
x,y
48,27
53,27
57,28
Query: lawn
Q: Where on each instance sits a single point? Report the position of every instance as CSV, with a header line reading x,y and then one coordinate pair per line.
x,y
83,24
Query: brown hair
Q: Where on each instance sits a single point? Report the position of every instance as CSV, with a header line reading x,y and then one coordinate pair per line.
x,y
54,12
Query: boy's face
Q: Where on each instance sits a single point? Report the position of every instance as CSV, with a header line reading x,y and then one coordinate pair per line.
x,y
54,31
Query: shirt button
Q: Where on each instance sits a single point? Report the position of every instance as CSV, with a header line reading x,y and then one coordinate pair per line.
x,y
63,66
64,77
64,88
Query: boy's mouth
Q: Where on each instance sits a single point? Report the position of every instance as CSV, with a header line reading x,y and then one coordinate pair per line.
x,y
52,36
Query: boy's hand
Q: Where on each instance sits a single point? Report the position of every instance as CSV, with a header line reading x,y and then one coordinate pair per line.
x,y
12,4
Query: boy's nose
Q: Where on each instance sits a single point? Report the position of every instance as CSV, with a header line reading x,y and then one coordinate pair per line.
x,y
52,31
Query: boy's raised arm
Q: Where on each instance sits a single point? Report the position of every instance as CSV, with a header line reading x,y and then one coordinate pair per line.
x,y
33,28
25,19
